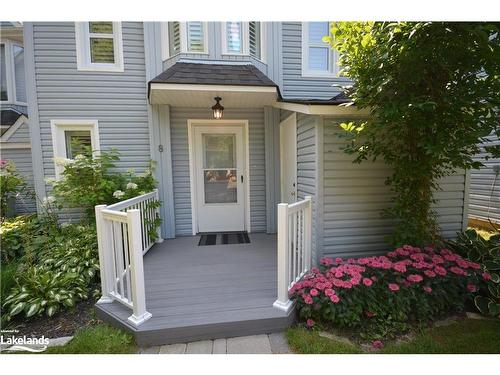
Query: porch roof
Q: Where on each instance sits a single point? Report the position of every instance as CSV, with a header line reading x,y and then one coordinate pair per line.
x,y
196,84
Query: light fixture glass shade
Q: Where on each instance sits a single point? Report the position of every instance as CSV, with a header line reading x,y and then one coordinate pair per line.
x,y
218,109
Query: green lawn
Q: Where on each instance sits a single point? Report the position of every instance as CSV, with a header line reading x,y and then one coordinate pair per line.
x,y
99,339
463,336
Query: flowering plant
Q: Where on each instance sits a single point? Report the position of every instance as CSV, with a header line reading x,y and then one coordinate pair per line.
x,y
89,180
408,284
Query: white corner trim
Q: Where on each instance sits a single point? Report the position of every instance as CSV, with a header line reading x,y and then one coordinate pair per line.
x,y
82,39
193,122
13,128
59,126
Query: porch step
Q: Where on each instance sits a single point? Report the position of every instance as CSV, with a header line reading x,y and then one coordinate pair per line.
x,y
162,330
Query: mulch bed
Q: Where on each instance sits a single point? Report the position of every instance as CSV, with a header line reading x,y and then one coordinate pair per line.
x,y
64,323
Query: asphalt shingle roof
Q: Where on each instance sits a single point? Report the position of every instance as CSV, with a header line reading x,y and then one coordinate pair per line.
x,y
9,116
214,74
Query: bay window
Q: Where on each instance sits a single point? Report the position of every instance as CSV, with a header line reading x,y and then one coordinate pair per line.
x,y
184,37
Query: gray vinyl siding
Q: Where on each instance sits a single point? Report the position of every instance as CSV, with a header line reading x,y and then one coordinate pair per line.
x,y
22,159
22,134
117,100
484,202
307,166
354,195
294,84
180,164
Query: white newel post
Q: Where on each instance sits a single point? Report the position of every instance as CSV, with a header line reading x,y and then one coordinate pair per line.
x,y
159,239
140,315
308,232
283,302
104,255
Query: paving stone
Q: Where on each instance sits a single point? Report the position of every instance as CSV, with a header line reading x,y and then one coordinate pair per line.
x,y
334,337
446,322
220,346
200,347
279,343
258,344
59,341
149,350
173,349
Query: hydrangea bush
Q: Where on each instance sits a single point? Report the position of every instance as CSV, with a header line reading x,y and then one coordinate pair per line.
x,y
408,284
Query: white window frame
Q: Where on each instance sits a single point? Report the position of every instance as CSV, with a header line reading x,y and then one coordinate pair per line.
x,y
333,69
83,60
10,72
165,47
58,129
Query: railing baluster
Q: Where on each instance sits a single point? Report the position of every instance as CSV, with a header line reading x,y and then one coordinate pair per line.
x,y
127,260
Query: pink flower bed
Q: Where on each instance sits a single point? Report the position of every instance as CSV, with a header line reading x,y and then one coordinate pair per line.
x,y
406,284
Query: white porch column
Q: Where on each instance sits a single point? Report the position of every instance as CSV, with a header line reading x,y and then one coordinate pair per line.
x,y
105,256
283,302
308,232
140,315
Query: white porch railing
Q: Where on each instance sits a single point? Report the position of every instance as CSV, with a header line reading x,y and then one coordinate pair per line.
x,y
124,236
294,247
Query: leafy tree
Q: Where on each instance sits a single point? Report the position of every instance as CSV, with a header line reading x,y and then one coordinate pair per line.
x,y
433,92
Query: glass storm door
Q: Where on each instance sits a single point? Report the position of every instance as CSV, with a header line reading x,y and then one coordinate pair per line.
x,y
220,178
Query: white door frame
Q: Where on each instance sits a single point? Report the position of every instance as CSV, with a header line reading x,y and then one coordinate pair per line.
x,y
292,118
246,173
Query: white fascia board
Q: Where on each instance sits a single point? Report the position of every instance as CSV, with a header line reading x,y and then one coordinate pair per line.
x,y
322,109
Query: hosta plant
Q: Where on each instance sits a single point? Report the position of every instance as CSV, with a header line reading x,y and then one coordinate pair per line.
x,y
471,245
56,277
382,294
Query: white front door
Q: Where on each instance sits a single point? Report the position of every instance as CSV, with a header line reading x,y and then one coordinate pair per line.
x,y
288,157
220,177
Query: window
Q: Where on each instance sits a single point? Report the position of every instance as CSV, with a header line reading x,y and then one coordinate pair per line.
x,y
255,39
4,96
73,137
318,58
12,81
234,37
195,37
99,46
184,37
243,38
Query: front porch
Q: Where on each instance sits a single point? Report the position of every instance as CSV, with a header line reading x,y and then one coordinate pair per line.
x,y
205,292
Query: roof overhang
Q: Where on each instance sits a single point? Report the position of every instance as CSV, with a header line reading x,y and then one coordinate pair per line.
x,y
340,111
202,95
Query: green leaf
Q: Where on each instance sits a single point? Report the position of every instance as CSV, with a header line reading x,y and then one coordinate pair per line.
x,y
32,310
17,308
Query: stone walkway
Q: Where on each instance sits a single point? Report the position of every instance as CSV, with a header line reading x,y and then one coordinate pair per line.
x,y
274,343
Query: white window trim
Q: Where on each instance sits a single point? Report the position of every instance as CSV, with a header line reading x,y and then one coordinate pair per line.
x,y
59,126
83,62
333,68
165,46
10,72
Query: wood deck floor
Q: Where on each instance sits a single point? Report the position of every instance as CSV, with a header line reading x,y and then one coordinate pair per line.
x,y
206,292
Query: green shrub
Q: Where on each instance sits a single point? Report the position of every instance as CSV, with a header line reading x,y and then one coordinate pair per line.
x,y
11,183
57,276
25,233
471,245
382,295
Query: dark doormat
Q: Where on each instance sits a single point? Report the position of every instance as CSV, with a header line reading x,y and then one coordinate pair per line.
x,y
227,238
